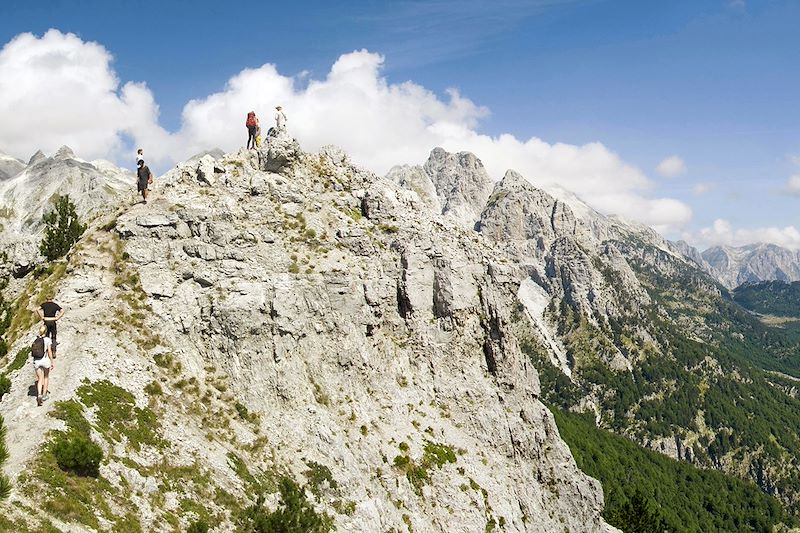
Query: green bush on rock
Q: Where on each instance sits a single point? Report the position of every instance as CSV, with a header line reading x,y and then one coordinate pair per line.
x,y
295,514
77,453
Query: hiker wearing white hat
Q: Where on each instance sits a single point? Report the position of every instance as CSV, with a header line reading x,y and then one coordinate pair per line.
x,y
280,119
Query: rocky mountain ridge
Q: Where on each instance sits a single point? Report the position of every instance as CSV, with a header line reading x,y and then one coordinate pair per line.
x,y
298,315
276,313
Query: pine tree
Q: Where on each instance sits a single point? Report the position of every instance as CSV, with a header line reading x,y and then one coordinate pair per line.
x,y
637,516
62,229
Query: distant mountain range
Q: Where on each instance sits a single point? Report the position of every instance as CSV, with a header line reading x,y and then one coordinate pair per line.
x,y
733,266
27,191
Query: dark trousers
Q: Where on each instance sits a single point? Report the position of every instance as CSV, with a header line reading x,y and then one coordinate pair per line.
x,y
51,331
251,136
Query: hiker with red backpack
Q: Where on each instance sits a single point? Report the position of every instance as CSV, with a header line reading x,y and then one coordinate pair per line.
x,y
43,363
252,128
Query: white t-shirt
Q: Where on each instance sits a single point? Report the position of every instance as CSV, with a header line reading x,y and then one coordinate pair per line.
x,y
139,157
280,120
41,362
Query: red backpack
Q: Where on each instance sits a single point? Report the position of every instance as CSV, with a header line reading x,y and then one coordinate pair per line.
x,y
251,119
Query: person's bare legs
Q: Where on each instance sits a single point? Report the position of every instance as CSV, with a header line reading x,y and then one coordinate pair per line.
x,y
46,379
144,194
39,384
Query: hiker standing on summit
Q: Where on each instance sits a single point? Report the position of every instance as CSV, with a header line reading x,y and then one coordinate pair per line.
x,y
280,120
252,128
50,312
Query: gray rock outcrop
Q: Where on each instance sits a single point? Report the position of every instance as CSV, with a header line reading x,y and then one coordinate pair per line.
x,y
455,185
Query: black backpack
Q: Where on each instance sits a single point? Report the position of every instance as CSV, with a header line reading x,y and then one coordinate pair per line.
x,y
37,348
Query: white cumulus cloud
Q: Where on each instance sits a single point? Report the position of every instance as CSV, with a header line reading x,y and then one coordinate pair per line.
x,y
57,89
722,232
671,167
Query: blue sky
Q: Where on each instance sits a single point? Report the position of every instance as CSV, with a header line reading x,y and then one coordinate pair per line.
x,y
714,82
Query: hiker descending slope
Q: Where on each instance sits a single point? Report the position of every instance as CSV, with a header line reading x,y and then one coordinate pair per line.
x,y
145,179
252,127
50,312
43,363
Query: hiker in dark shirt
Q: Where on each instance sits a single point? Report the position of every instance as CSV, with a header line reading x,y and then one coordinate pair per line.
x,y
50,312
145,179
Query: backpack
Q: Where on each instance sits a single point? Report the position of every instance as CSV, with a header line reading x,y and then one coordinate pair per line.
x,y
37,348
251,120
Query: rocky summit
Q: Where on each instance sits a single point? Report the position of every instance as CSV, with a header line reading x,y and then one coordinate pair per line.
x,y
284,315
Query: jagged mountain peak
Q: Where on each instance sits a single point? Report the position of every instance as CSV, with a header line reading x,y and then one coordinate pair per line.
x,y
440,159
36,157
65,152
687,250
359,330
455,185
513,179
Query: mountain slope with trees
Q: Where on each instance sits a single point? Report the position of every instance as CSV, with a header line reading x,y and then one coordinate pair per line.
x,y
777,298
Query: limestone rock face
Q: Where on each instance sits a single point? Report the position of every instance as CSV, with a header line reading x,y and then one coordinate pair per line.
x,y
35,158
560,250
456,185
349,323
280,153
687,250
416,179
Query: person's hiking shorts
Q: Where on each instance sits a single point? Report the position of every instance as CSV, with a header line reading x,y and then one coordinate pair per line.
x,y
44,362
142,185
